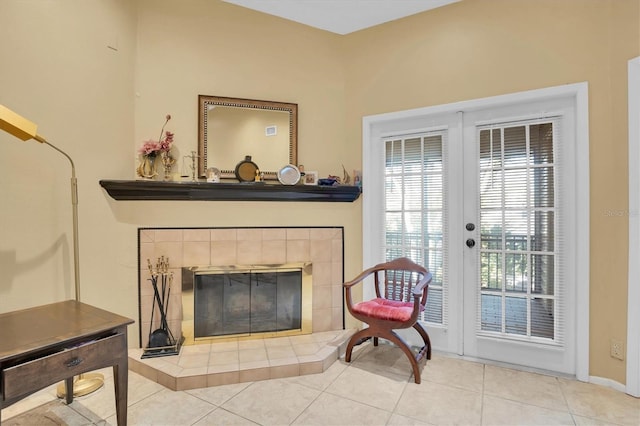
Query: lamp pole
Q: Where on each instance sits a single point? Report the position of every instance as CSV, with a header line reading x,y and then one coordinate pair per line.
x,y
74,205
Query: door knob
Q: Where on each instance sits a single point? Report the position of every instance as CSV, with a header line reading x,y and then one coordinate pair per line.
x,y
470,226
471,242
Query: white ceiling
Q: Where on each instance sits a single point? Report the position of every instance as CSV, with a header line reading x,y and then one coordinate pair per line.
x,y
341,16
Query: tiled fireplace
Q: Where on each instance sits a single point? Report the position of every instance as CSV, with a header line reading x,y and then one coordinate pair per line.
x,y
319,247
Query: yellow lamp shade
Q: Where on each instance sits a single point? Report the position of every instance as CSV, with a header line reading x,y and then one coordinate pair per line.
x,y
17,125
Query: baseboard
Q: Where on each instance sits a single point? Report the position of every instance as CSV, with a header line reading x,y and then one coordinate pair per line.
x,y
603,381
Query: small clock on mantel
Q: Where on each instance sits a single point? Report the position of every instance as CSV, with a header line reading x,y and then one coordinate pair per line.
x,y
246,170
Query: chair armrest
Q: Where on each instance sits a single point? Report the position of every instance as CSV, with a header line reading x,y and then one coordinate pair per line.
x,y
419,288
360,277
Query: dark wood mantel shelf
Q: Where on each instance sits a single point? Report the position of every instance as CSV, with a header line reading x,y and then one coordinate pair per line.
x,y
206,191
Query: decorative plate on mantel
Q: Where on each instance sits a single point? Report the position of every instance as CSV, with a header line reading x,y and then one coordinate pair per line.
x,y
289,175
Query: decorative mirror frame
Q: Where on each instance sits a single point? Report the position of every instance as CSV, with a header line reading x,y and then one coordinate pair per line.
x,y
205,100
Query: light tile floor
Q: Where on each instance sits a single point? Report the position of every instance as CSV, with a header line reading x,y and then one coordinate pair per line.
x,y
375,389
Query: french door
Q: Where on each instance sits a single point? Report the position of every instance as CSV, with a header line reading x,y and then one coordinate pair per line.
x,y
485,199
518,299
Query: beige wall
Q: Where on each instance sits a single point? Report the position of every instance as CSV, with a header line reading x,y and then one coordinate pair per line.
x,y
100,104
57,70
480,48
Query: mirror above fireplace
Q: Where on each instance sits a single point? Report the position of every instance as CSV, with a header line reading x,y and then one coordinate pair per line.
x,y
229,129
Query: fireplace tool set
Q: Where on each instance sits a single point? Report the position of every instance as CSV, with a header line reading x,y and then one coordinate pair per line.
x,y
161,340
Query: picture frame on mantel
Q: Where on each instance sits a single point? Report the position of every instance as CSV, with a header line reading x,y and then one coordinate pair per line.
x,y
311,178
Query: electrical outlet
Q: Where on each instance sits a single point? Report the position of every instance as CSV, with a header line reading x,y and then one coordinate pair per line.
x,y
617,349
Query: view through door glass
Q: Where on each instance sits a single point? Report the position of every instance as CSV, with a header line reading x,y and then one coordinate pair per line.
x,y
517,232
414,210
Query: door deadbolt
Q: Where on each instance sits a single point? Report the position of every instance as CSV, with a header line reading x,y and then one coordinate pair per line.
x,y
470,226
471,242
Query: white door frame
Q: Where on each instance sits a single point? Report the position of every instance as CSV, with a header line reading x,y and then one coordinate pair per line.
x,y
374,126
633,298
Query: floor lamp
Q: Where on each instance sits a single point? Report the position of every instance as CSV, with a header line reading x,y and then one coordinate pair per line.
x,y
24,129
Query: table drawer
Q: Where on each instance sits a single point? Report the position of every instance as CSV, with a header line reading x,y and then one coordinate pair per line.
x,y
41,372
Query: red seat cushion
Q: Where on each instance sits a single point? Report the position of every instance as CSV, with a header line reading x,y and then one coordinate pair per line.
x,y
385,309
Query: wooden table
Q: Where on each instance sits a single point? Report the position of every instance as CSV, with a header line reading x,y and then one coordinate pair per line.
x,y
47,344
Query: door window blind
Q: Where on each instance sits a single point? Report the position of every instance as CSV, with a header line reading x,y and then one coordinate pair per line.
x,y
519,290
415,210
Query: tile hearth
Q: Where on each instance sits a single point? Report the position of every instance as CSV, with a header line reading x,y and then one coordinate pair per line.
x,y
242,360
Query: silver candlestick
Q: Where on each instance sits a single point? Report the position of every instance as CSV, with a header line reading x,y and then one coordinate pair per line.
x,y
193,167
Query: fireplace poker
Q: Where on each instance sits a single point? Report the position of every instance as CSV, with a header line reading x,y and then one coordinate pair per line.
x,y
163,324
166,293
165,298
153,307
167,306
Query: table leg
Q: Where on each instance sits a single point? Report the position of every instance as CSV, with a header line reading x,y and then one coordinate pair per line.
x,y
68,386
120,374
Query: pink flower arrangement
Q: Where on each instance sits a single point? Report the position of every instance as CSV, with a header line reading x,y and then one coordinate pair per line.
x,y
151,148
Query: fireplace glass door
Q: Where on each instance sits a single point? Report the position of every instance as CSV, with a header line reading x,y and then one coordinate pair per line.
x,y
275,301
247,302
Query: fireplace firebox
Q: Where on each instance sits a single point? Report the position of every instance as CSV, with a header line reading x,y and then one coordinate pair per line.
x,y
246,300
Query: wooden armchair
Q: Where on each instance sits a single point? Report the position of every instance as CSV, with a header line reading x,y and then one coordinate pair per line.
x,y
405,286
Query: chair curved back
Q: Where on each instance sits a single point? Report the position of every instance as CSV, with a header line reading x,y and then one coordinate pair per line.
x,y
398,278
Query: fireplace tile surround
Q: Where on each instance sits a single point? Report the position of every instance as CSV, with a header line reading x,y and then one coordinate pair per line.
x,y
320,246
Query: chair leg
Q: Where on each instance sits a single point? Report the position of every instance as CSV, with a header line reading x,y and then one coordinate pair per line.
x,y
356,339
425,338
391,335
399,341
375,341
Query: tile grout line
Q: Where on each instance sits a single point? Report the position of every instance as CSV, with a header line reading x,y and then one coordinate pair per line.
x,y
307,407
404,388
214,408
354,400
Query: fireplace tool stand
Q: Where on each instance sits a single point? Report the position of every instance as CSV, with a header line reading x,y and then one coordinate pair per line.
x,y
161,340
